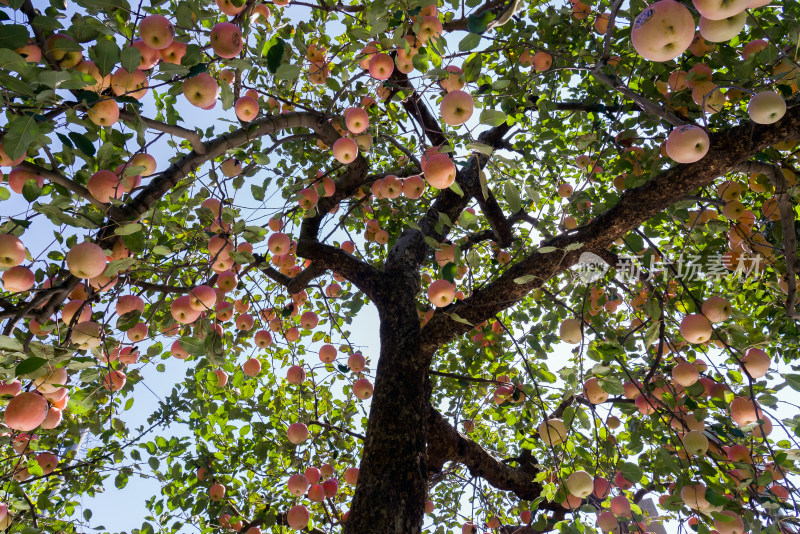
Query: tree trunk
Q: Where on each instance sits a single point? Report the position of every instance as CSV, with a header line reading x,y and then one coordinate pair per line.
x,y
392,481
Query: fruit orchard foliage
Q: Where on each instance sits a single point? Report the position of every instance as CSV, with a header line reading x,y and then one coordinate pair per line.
x,y
559,158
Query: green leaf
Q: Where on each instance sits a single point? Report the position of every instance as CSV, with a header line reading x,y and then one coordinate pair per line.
x,y
287,72
651,335
10,83
492,117
10,344
793,381
128,229
479,22
29,365
524,279
82,143
11,60
192,345
631,472
546,250
20,134
275,55
128,320
105,55
472,67
455,188
469,42
129,58
459,319
512,197
31,190
13,36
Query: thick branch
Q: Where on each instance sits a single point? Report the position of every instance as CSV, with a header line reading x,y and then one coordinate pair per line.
x,y
363,275
728,150
190,135
445,444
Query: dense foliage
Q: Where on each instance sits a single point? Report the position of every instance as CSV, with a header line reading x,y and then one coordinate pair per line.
x,y
232,184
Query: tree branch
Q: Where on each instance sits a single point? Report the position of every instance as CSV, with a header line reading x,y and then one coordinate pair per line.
x,y
58,178
729,149
190,135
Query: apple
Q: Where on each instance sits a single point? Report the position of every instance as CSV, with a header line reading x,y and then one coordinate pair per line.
x,y
570,331
364,142
441,293
327,353
663,31
331,487
251,367
137,333
756,362
201,90
104,113
565,190
54,417
297,484
245,322
226,40
362,388
279,243
202,298
607,522
455,79
743,411
10,388
298,517
552,432
133,84
345,150
695,442
246,108
469,528
717,309
430,29
263,339
391,187
601,487
687,144
47,461
381,66
308,199
580,484
105,185
356,119
101,82
356,362
25,412
18,177
229,8
766,107
685,374
620,505
114,380
31,52
63,50
182,311
456,107
86,260
222,377
217,492
313,475
753,47
6,161
730,524
156,31
351,476
542,61
297,433
440,171
227,281
12,251
695,328
71,308
720,9
149,56
593,392
722,30
173,53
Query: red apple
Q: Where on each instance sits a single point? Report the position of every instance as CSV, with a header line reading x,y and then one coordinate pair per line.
x,y
226,40
157,31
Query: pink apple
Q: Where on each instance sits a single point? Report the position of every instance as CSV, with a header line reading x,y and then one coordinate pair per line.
x,y
133,84
263,339
246,108
86,260
104,112
201,90
18,177
720,9
687,144
441,293
12,251
298,517
295,375
157,31
297,433
226,40
174,53
356,362
663,31
251,367
362,388
766,107
182,311
456,107
381,66
297,484
413,186
105,185
356,120
150,56
440,171
345,150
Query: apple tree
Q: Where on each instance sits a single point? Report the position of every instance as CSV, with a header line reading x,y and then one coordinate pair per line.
x,y
571,224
